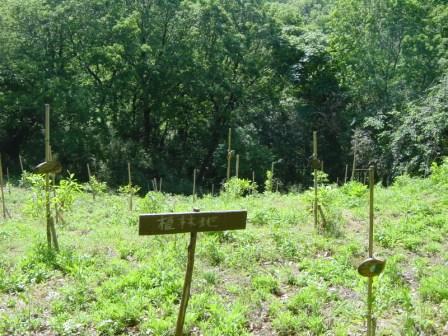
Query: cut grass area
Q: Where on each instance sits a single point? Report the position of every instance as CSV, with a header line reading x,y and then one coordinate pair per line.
x,y
277,277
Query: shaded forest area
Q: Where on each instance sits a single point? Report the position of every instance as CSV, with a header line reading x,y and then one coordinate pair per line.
x,y
158,83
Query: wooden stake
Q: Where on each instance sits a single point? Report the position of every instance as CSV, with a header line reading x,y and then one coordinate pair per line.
x,y
154,184
237,165
51,231
194,184
130,186
213,189
229,153
21,163
7,180
90,181
1,187
346,173
187,283
354,162
315,178
370,323
160,185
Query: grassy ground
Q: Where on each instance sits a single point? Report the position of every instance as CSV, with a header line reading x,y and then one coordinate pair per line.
x,y
277,277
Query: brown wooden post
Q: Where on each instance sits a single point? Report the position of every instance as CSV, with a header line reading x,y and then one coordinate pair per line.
x,y
354,162
21,163
1,187
90,181
7,180
130,186
213,189
194,184
160,185
229,153
315,178
187,283
51,230
237,165
370,327
346,174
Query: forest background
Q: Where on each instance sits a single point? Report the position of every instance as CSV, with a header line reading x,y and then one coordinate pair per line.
x,y
159,83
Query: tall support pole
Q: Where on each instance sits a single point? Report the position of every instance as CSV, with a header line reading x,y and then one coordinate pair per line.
x,y
194,184
354,161
1,187
229,153
8,181
131,192
187,283
370,322
315,178
90,181
160,184
47,178
237,165
346,174
21,163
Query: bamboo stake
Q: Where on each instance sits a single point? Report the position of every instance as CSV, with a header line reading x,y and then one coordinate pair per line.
x,y
130,186
187,283
229,153
213,189
160,185
237,165
7,181
51,231
21,163
315,178
346,173
370,330
90,181
354,162
1,187
194,184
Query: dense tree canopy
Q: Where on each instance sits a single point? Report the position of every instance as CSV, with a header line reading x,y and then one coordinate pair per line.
x,y
158,83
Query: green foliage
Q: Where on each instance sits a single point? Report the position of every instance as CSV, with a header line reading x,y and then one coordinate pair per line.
x,y
153,202
269,182
129,189
95,186
66,192
439,173
236,187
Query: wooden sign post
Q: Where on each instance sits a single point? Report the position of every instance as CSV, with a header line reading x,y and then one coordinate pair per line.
x,y
192,222
371,267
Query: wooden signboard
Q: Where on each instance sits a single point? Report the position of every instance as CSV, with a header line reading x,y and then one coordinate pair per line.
x,y
169,223
192,222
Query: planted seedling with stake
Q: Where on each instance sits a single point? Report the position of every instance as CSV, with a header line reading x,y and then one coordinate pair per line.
x,y
371,267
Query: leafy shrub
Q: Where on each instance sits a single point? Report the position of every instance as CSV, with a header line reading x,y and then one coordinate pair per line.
x,y
94,186
153,202
354,189
236,187
269,182
439,173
